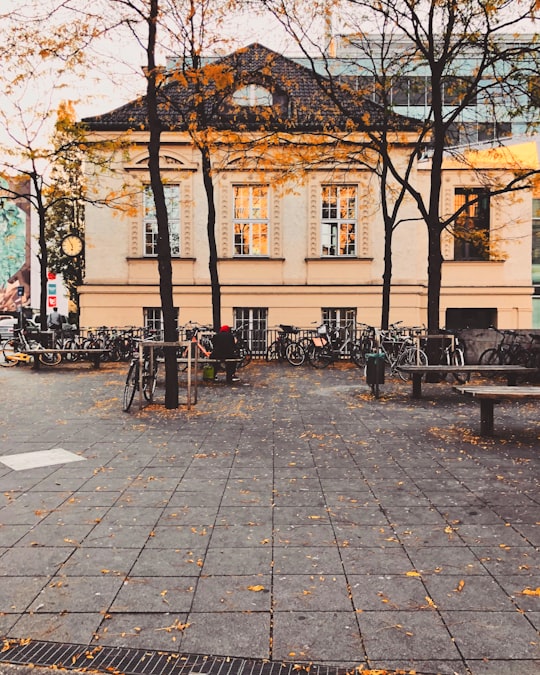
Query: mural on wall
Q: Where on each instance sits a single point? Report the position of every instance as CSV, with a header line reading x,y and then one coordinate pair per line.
x,y
14,251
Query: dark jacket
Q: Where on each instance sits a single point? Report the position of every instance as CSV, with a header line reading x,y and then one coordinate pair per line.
x,y
224,346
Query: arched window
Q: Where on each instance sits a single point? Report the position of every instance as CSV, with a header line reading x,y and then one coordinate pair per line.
x,y
252,95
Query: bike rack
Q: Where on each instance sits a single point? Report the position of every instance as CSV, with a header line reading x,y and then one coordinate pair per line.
x,y
192,366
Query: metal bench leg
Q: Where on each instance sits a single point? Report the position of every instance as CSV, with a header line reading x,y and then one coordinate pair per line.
x,y
486,416
417,385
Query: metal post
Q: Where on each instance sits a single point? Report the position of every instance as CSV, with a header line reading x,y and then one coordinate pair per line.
x,y
140,373
196,374
189,377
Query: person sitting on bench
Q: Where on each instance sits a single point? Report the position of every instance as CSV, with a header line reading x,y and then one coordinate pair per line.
x,y
224,346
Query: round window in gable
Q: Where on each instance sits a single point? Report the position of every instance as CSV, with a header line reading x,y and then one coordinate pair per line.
x,y
252,95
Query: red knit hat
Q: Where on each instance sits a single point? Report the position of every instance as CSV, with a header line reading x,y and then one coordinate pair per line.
x,y
224,329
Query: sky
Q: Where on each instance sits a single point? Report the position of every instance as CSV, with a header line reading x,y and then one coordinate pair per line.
x,y
104,89
244,29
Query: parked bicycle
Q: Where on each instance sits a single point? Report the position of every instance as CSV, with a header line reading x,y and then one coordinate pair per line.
x,y
242,349
505,353
329,345
68,338
135,379
201,341
284,347
528,355
453,354
14,351
98,339
401,347
365,344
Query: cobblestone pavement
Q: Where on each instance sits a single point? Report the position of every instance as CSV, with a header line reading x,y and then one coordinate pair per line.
x,y
291,517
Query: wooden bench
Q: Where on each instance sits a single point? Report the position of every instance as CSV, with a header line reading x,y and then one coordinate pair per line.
x,y
205,362
417,373
93,355
490,394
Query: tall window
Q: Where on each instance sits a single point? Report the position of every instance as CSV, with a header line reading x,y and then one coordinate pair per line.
x,y
251,322
153,319
536,242
250,220
471,231
338,220
172,200
339,317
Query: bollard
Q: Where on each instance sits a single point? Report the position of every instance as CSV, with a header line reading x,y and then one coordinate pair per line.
x,y
375,371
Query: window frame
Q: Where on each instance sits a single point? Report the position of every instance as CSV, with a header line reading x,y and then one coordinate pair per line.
x,y
252,323
153,319
253,95
535,247
257,226
339,317
476,219
150,231
336,220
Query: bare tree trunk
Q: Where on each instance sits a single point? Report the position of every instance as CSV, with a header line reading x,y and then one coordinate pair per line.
x,y
211,229
163,243
434,278
43,257
387,276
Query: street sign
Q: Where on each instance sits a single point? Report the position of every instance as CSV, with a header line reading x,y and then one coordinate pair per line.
x,y
20,291
51,300
51,275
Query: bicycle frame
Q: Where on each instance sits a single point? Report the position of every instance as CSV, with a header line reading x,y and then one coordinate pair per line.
x,y
193,334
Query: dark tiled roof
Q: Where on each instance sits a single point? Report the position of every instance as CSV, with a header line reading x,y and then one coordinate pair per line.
x,y
302,100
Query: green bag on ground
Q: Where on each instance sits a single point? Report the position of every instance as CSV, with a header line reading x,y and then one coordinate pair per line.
x,y
208,372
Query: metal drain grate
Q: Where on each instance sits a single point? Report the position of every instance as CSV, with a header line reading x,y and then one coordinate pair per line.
x,y
126,661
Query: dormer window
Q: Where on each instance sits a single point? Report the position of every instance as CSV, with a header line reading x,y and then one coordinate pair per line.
x,y
253,95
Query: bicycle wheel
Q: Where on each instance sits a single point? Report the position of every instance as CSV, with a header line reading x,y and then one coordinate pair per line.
x,y
458,359
243,352
149,379
70,356
411,356
520,357
320,357
273,353
359,351
131,386
7,355
490,357
295,354
48,359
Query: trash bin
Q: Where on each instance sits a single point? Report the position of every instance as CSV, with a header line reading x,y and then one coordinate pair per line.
x,y
375,368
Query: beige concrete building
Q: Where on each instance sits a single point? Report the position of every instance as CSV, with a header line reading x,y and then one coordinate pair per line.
x,y
293,250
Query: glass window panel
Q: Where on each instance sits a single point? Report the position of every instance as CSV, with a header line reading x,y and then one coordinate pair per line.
x,y
471,230
252,95
251,322
338,220
417,91
250,214
400,91
172,202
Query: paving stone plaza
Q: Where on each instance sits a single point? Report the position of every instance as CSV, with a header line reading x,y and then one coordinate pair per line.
x,y
290,518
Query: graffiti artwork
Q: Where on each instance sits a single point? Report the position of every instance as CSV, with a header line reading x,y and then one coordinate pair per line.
x,y
14,253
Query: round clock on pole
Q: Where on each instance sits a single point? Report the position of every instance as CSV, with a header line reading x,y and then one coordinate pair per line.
x,y
72,245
